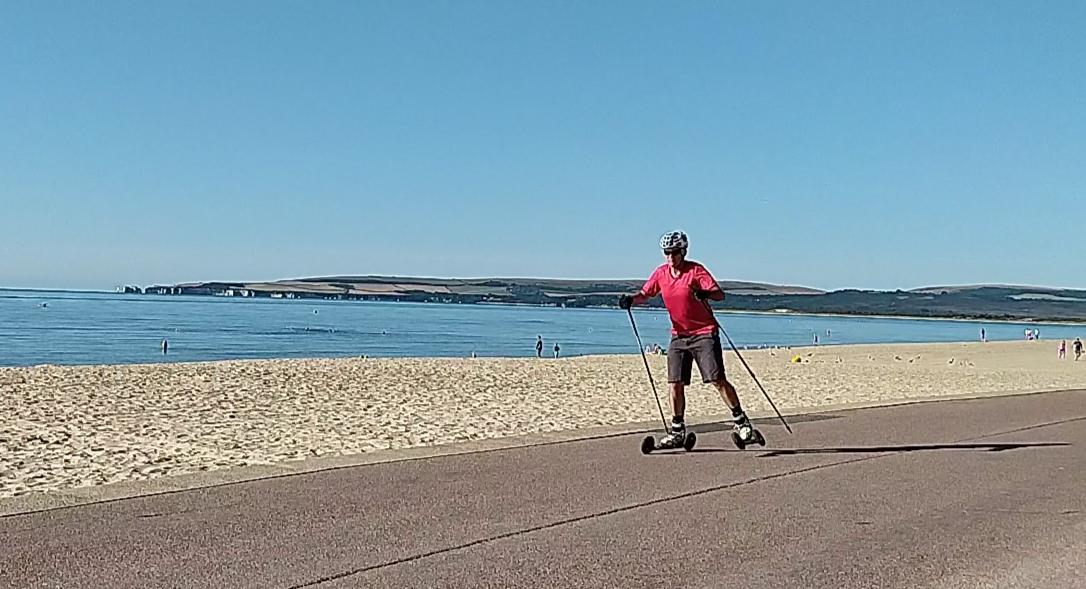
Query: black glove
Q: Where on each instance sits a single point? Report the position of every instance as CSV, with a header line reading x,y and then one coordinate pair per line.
x,y
625,301
700,295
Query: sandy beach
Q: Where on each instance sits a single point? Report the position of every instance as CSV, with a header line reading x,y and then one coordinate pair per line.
x,y
76,426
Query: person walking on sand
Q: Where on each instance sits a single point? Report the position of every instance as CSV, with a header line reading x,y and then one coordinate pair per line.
x,y
1077,345
685,286
983,336
1063,349
538,346
556,348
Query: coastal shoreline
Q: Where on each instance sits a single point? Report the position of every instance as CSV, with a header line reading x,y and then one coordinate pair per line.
x,y
787,312
1029,322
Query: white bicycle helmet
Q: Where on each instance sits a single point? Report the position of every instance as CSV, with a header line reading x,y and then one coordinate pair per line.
x,y
674,240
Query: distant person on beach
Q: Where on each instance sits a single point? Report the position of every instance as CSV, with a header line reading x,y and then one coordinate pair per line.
x,y
165,346
556,348
1063,349
983,336
538,346
1078,348
685,286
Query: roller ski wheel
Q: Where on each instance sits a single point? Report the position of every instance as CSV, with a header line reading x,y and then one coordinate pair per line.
x,y
738,441
650,445
756,437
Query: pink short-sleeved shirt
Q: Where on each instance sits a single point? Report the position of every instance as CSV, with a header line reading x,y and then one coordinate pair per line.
x,y
688,315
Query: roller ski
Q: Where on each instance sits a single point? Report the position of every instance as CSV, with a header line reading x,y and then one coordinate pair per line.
x,y
676,438
745,435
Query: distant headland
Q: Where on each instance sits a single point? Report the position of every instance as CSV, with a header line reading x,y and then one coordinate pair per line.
x,y
991,302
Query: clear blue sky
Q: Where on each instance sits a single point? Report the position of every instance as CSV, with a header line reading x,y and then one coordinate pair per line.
x,y
833,145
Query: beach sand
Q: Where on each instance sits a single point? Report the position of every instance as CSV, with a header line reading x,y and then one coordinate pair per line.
x,y
75,426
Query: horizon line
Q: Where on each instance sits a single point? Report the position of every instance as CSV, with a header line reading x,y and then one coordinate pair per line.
x,y
822,290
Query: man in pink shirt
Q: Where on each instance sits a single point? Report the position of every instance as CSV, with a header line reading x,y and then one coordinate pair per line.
x,y
685,285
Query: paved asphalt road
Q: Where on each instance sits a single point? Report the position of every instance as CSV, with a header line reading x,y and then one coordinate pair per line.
x,y
944,495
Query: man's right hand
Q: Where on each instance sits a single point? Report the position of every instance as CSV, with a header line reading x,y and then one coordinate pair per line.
x,y
625,301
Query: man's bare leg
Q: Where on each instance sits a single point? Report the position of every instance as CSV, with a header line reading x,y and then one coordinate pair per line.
x,y
731,399
727,392
678,400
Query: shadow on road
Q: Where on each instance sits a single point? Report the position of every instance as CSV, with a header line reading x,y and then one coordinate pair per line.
x,y
906,448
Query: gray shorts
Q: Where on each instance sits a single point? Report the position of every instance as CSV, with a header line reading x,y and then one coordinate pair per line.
x,y
685,350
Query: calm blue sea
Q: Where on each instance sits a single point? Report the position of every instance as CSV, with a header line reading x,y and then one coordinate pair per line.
x,y
48,327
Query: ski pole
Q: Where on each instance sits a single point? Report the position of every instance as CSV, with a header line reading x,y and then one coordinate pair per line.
x,y
745,365
644,359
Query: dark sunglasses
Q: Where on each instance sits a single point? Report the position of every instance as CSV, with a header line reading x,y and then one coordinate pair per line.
x,y
672,252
